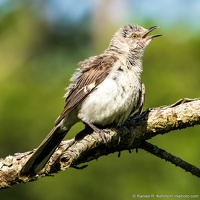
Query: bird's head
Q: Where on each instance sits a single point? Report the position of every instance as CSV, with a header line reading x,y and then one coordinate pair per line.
x,y
132,38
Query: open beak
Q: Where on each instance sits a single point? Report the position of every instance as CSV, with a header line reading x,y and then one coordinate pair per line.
x,y
150,30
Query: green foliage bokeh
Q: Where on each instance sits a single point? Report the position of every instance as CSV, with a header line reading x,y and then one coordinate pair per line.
x,y
35,67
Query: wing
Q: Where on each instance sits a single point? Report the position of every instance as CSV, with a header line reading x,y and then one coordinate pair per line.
x,y
92,72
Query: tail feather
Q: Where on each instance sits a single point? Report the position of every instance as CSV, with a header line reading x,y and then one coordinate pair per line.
x,y
43,153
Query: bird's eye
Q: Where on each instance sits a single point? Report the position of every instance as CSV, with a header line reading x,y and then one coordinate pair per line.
x,y
134,35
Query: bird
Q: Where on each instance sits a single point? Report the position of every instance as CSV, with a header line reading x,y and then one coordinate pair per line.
x,y
105,90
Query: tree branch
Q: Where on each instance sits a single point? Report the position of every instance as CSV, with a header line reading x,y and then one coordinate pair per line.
x,y
132,134
171,158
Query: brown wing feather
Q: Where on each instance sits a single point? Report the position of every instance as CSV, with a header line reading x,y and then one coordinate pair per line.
x,y
93,73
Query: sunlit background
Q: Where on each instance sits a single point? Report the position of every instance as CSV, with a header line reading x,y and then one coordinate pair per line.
x,y
41,43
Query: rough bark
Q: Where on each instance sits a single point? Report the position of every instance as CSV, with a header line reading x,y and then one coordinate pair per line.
x,y
131,135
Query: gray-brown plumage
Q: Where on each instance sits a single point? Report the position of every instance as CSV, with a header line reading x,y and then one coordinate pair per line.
x,y
105,90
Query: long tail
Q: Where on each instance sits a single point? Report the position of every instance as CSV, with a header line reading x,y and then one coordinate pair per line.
x,y
43,153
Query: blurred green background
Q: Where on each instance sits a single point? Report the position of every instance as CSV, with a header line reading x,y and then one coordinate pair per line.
x,y
41,43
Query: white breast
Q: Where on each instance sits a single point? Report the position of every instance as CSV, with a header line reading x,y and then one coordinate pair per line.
x,y
114,99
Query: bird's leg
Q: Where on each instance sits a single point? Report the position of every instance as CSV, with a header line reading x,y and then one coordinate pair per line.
x,y
93,127
87,130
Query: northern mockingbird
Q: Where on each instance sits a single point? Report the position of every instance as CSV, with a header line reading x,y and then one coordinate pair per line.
x,y
105,90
